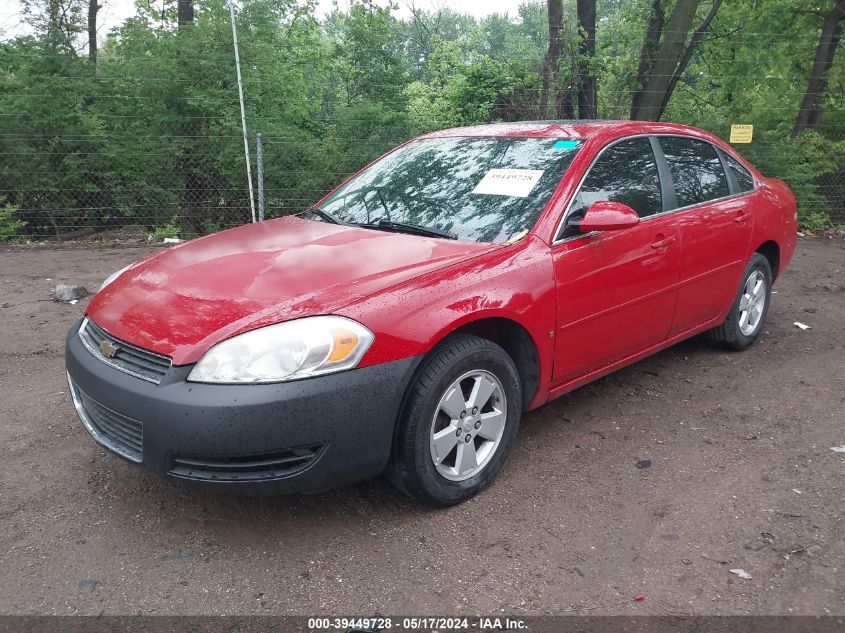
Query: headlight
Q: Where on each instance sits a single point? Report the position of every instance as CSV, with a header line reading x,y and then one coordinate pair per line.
x,y
114,276
285,351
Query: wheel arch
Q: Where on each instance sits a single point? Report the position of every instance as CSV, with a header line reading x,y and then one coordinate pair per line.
x,y
511,336
771,251
506,332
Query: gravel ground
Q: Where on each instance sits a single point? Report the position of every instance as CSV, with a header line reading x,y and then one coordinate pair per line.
x,y
656,480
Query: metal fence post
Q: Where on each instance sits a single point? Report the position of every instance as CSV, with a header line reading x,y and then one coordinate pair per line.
x,y
241,100
259,164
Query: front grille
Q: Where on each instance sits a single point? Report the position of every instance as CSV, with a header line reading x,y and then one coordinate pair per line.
x,y
115,431
127,358
244,468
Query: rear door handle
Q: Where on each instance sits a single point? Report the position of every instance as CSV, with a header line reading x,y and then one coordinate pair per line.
x,y
741,217
662,242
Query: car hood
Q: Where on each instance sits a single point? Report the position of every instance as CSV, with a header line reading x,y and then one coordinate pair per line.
x,y
181,301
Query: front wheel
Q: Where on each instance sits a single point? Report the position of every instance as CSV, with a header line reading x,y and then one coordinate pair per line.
x,y
459,422
750,307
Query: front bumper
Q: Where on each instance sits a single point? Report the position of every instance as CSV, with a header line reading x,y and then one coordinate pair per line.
x,y
301,436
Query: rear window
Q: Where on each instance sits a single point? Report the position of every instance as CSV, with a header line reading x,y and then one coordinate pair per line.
x,y
743,177
696,170
479,189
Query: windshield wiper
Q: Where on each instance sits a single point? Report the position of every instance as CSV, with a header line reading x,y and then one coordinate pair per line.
x,y
390,225
325,215
408,227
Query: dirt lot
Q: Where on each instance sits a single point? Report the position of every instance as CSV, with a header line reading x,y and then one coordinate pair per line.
x,y
741,475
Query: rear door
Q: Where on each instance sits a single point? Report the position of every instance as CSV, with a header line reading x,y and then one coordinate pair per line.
x,y
715,224
616,290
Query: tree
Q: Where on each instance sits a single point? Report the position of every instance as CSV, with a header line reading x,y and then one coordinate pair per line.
x,y
671,59
810,113
651,42
551,63
150,133
93,8
185,12
425,28
587,87
368,46
56,23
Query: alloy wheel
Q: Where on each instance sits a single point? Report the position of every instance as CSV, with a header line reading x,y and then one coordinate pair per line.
x,y
468,425
752,303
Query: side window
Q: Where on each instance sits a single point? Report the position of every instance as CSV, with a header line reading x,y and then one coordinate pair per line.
x,y
696,170
743,178
626,172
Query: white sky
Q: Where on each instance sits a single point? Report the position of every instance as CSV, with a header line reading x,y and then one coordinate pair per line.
x,y
115,11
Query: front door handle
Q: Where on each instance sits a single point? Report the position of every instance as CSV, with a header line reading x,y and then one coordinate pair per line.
x,y
662,242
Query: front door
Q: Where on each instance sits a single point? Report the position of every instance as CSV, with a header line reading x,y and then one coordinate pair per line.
x,y
616,290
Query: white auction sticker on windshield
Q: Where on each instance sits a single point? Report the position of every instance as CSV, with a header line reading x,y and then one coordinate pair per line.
x,y
508,182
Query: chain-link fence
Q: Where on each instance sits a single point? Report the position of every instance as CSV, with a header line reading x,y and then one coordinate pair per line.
x,y
149,139
145,182
181,189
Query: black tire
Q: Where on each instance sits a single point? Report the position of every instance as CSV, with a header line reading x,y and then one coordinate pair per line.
x,y
729,335
412,467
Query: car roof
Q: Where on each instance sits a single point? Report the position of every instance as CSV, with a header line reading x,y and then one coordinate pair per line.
x,y
574,129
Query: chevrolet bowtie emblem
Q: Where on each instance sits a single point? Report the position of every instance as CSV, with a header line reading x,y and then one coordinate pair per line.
x,y
108,349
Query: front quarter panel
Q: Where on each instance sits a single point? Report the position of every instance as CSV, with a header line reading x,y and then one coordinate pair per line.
x,y
515,282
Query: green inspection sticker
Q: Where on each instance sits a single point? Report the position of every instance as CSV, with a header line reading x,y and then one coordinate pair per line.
x,y
565,144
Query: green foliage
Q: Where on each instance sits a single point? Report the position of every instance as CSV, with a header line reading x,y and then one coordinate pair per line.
x,y
171,228
10,226
367,51
151,134
752,67
799,161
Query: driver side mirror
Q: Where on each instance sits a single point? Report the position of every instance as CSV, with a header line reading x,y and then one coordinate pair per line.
x,y
605,215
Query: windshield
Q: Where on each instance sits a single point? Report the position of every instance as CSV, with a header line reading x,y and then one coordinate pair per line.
x,y
474,189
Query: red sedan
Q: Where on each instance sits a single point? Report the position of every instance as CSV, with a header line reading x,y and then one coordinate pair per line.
x,y
405,322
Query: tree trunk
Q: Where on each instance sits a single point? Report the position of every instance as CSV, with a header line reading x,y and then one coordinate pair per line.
x,y
93,7
586,51
687,56
651,42
666,61
564,108
550,65
185,11
809,116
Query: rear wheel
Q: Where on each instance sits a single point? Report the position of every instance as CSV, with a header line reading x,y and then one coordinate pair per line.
x,y
751,306
459,422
